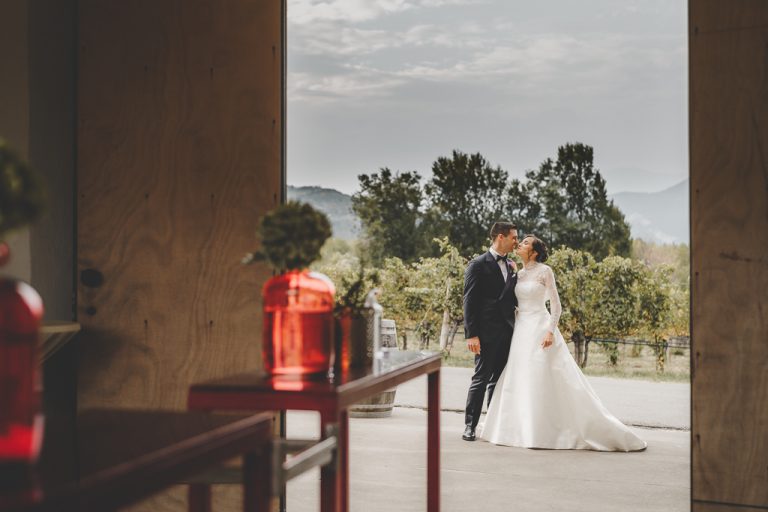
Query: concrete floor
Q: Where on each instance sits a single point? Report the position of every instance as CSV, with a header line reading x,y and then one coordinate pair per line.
x,y
635,402
388,458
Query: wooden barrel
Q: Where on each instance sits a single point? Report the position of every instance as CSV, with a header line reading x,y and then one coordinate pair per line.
x,y
380,405
377,406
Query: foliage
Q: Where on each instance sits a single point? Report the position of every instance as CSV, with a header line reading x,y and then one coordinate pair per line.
x,y
405,300
676,256
450,269
579,290
566,203
466,195
654,303
292,236
352,278
425,295
605,295
680,318
616,311
614,298
21,192
388,206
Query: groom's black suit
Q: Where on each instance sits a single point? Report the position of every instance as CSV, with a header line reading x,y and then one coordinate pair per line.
x,y
489,313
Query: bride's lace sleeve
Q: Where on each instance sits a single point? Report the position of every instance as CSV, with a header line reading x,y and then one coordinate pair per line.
x,y
556,309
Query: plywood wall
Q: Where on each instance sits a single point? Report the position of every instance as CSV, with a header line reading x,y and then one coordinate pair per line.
x,y
729,212
179,153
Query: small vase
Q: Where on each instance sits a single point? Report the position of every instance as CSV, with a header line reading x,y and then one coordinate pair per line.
x,y
21,425
298,324
353,346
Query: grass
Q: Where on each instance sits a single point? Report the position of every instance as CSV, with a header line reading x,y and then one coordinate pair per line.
x,y
631,365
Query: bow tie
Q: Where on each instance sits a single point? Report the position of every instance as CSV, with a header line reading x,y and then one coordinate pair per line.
x,y
501,257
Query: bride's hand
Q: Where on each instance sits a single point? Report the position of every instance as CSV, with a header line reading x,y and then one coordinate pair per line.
x,y
548,340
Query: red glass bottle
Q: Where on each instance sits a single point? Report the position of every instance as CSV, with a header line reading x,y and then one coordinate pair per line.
x,y
298,324
21,425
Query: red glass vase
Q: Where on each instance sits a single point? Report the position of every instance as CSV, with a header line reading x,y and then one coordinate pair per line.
x,y
21,425
298,324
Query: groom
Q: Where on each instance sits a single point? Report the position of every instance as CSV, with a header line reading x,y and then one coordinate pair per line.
x,y
489,317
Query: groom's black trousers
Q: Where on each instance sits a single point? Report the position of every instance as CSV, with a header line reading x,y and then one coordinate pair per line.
x,y
489,364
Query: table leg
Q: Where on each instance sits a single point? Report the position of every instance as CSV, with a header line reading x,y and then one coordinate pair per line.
x,y
343,451
257,481
433,442
199,498
329,481
283,499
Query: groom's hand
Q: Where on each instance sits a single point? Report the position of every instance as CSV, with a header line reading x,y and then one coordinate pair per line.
x,y
473,345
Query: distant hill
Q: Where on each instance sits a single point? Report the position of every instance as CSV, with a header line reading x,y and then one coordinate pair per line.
x,y
335,204
660,217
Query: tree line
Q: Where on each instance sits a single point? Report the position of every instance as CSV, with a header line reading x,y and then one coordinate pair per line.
x,y
617,297
564,201
417,239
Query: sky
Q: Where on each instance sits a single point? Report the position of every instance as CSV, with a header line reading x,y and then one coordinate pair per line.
x,y
398,83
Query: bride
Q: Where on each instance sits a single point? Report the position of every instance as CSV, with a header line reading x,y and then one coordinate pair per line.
x,y
542,399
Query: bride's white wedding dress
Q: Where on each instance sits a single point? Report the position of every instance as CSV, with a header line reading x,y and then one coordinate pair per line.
x,y
542,399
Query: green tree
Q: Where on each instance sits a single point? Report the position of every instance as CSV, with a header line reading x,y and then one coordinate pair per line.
x,y
616,312
676,256
466,195
523,206
579,290
388,206
425,295
600,299
654,308
408,297
566,201
449,295
680,309
675,260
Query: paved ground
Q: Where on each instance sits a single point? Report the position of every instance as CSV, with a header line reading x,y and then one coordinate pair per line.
x,y
388,458
635,402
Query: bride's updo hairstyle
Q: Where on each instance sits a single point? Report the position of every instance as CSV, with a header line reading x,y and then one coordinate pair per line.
x,y
542,253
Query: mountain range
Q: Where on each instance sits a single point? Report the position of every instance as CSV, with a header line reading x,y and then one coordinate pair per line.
x,y
660,217
336,205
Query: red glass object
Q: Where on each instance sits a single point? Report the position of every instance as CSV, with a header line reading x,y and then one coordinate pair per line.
x,y
298,324
21,425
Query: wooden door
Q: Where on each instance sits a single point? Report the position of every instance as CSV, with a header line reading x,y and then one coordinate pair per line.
x,y
729,232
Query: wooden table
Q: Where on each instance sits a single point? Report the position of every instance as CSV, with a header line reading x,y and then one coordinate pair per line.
x,y
253,391
125,456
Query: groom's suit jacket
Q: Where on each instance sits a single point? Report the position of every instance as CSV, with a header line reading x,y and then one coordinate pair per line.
x,y
489,300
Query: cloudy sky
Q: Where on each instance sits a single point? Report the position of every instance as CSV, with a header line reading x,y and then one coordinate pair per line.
x,y
397,83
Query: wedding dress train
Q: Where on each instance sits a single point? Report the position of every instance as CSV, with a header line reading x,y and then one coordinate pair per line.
x,y
542,399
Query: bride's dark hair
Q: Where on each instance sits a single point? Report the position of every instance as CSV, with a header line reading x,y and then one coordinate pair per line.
x,y
542,253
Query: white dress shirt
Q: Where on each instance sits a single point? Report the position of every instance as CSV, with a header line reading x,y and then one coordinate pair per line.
x,y
502,263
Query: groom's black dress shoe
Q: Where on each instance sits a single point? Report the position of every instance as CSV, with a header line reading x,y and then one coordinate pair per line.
x,y
469,434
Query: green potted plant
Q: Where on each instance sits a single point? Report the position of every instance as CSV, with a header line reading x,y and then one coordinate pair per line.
x,y
297,303
21,310
353,349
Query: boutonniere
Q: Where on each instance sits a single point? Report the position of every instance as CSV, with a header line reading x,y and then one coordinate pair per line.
x,y
511,264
